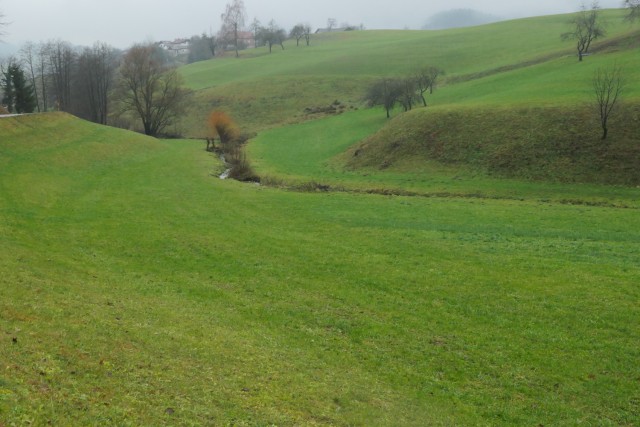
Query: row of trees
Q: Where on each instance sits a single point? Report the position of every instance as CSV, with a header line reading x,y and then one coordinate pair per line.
x,y
203,47
60,77
96,83
388,92
233,22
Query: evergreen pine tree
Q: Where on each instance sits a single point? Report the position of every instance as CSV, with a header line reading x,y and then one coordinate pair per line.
x,y
8,92
18,93
25,99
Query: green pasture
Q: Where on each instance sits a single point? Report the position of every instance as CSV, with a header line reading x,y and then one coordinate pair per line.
x,y
138,289
377,288
534,119
396,159
262,90
371,54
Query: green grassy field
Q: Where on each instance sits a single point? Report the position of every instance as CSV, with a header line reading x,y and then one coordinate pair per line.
x,y
137,288
264,90
140,289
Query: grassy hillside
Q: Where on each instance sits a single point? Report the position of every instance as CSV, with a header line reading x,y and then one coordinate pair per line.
x,y
552,144
138,289
465,154
509,86
265,90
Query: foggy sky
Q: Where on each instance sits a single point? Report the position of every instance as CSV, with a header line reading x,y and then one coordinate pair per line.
x,y
124,22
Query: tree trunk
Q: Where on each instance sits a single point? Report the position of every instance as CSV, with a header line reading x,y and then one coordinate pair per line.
x,y
235,34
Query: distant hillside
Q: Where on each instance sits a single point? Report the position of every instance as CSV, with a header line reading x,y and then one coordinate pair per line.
x,y
459,18
262,90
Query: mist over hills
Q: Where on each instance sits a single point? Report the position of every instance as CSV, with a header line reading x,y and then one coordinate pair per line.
x,y
457,18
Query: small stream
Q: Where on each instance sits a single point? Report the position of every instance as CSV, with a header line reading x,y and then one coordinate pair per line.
x,y
225,174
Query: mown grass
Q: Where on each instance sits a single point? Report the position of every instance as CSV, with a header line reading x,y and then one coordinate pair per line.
x,y
137,289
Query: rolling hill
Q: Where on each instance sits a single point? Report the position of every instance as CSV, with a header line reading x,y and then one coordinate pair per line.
x,y
511,82
137,288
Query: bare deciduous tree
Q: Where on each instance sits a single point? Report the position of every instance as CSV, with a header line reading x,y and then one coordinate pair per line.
x,y
587,27
232,21
255,29
95,76
307,33
434,73
297,32
28,54
426,80
633,6
151,89
407,88
385,92
61,61
272,35
607,88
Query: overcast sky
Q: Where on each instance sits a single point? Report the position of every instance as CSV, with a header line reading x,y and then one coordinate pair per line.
x,y
124,22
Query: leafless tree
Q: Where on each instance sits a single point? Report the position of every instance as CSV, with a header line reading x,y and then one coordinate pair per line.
x,y
407,88
28,54
433,73
385,92
272,35
425,80
61,61
151,89
297,32
95,77
307,33
633,7
44,75
587,27
232,21
331,24
607,89
255,29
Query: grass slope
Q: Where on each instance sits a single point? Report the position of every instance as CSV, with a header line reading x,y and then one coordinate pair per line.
x,y
264,90
532,120
136,289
